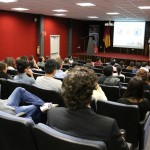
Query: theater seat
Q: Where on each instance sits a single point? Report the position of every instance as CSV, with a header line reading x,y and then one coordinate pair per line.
x,y
46,137
15,133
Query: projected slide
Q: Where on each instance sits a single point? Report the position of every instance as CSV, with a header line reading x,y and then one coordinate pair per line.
x,y
129,34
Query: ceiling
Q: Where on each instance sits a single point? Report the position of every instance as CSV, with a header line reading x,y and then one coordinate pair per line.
x,y
128,9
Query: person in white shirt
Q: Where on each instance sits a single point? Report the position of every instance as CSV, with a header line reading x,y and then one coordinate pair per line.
x,y
118,73
48,82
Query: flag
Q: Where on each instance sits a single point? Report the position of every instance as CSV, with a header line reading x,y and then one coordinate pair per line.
x,y
106,37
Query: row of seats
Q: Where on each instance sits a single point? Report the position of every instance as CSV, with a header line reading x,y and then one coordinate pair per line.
x,y
7,87
18,133
127,117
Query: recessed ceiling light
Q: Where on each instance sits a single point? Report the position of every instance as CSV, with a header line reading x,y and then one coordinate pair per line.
x,y
60,10
112,13
59,14
85,4
20,9
92,17
144,7
8,1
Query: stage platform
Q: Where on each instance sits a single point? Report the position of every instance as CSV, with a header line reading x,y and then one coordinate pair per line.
x,y
107,56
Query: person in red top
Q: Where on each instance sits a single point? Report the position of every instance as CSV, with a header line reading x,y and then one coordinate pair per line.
x,y
98,62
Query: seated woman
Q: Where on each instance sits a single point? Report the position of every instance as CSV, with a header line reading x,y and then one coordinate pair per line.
x,y
25,73
134,96
3,71
118,73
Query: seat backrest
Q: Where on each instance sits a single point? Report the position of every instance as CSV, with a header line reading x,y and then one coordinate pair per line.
x,y
15,133
47,95
127,117
46,137
112,92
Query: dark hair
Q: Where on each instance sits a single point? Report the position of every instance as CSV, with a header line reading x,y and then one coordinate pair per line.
x,y
31,57
66,60
3,66
138,65
10,61
108,70
144,64
119,69
131,64
135,88
22,65
59,64
40,58
23,58
78,86
50,66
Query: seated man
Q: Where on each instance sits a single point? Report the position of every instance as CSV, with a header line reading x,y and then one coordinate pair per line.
x,y
48,82
25,73
108,77
20,95
78,119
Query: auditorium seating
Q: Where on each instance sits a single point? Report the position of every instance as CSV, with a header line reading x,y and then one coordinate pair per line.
x,y
15,133
127,117
46,137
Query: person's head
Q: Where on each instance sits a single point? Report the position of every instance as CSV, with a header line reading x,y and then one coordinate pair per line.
x,y
135,88
97,59
108,70
59,64
78,86
47,57
41,59
22,65
31,57
131,64
24,58
10,61
66,60
142,73
138,65
119,69
3,67
112,62
144,64
121,63
50,66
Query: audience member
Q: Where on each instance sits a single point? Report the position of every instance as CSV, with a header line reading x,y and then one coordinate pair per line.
x,y
32,62
78,119
66,62
144,66
113,65
70,60
136,68
89,63
24,58
118,73
48,82
98,62
20,95
59,73
134,96
10,63
41,62
143,74
25,74
121,63
3,71
108,77
131,66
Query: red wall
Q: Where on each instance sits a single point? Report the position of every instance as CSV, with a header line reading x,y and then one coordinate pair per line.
x,y
55,26
18,34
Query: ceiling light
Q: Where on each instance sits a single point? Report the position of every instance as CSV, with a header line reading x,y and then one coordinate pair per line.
x,y
93,17
60,10
85,4
144,7
20,9
8,1
112,13
59,14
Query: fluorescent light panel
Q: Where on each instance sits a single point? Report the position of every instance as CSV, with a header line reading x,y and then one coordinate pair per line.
x,y
20,9
112,13
144,7
85,4
60,10
8,1
92,17
59,14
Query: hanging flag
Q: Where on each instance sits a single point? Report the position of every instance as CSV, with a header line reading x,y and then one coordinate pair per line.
x,y
106,37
